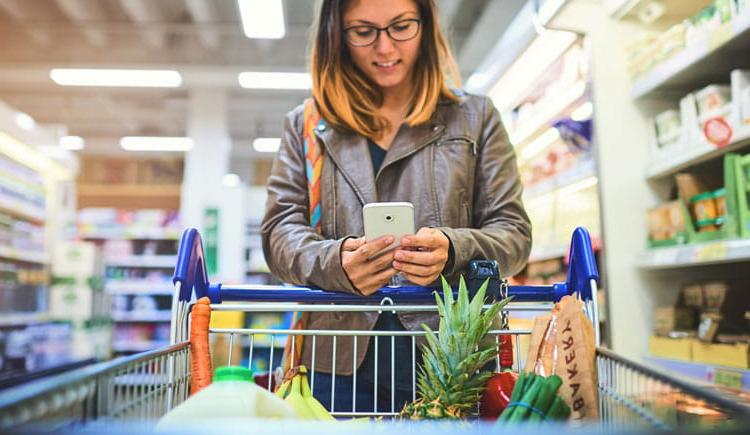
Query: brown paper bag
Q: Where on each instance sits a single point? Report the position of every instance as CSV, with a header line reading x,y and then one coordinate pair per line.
x,y
563,343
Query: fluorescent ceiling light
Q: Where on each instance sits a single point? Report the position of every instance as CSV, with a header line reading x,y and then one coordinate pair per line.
x,y
267,144
116,77
73,143
543,52
25,121
275,80
262,19
231,180
156,143
583,112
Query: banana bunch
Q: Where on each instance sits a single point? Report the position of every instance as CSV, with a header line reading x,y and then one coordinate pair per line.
x,y
296,392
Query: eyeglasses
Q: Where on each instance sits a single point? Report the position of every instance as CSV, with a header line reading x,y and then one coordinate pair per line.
x,y
362,36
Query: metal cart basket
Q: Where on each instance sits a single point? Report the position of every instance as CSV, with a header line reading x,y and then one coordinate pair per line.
x,y
145,386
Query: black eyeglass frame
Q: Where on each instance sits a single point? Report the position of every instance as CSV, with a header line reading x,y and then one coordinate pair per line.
x,y
385,29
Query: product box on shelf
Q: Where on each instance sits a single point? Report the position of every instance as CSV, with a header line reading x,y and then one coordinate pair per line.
x,y
741,95
692,296
75,259
730,355
669,319
673,348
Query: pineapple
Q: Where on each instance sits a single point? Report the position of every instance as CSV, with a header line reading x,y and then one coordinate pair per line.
x,y
450,379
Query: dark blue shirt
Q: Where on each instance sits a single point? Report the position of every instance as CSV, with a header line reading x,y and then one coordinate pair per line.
x,y
377,155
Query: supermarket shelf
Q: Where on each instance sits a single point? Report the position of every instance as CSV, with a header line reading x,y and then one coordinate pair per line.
x,y
134,316
575,96
583,170
23,319
717,252
115,190
143,234
698,65
139,287
21,210
129,196
26,256
549,252
153,261
699,154
16,377
704,372
138,346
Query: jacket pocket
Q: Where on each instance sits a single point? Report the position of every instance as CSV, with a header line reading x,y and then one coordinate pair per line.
x,y
459,141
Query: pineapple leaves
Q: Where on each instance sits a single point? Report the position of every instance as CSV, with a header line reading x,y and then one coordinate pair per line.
x,y
450,378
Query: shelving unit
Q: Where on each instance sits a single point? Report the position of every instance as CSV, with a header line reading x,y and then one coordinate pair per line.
x,y
137,287
696,155
718,252
632,181
32,204
717,375
139,258
142,316
710,59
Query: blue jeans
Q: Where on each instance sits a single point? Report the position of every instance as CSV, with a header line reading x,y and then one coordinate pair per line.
x,y
365,394
365,398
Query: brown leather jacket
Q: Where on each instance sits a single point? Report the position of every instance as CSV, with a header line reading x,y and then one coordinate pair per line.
x,y
459,170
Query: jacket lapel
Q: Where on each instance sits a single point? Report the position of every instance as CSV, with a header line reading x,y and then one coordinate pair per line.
x,y
351,156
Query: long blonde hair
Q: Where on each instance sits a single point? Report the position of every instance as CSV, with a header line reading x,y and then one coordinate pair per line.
x,y
348,100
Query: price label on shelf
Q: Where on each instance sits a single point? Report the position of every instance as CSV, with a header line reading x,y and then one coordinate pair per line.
x,y
728,378
710,252
722,34
718,132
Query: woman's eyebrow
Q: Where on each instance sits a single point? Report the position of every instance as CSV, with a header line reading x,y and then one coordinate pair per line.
x,y
370,23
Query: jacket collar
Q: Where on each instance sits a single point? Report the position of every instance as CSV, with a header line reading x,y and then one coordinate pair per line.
x,y
349,151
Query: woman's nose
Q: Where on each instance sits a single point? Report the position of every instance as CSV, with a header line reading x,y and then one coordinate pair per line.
x,y
384,43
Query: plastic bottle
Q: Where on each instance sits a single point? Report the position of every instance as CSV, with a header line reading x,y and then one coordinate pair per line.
x,y
232,395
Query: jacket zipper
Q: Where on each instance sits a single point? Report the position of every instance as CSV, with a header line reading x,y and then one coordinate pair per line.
x,y
468,140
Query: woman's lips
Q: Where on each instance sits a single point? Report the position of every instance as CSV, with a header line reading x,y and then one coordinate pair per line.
x,y
387,67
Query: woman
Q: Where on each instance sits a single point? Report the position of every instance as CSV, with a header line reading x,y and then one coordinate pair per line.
x,y
392,130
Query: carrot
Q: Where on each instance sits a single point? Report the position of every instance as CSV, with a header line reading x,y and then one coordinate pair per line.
x,y
200,355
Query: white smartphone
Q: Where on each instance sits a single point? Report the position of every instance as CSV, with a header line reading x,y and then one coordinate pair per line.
x,y
388,219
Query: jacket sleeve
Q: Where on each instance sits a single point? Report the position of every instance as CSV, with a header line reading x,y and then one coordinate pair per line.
x,y
293,250
502,230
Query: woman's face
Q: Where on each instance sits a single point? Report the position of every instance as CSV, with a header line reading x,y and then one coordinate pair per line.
x,y
386,62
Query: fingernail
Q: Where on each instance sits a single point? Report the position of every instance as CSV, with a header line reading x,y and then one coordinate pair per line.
x,y
399,255
389,240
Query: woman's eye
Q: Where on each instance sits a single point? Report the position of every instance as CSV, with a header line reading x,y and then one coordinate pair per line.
x,y
400,27
364,32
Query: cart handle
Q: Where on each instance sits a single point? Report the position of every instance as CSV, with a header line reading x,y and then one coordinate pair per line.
x,y
582,265
191,273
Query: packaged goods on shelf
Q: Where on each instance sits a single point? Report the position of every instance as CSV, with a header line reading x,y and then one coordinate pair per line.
x,y
674,348
711,99
669,319
667,222
730,355
741,93
668,125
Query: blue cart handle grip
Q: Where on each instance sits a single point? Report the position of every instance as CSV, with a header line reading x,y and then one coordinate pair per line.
x,y
582,265
190,271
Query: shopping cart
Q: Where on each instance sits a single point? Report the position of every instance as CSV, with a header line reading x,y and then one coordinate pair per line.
x,y
143,387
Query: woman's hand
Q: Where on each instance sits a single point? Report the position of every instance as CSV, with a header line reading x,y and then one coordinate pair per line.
x,y
368,276
423,256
